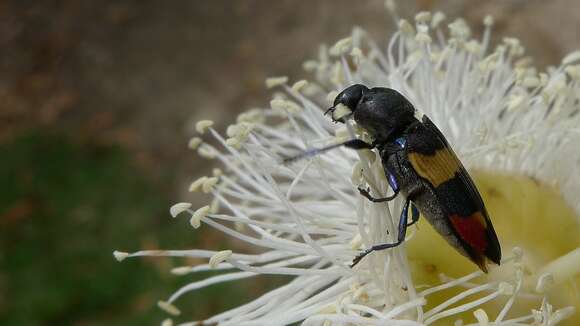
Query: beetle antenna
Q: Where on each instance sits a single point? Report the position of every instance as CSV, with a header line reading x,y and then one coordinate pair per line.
x,y
330,109
353,144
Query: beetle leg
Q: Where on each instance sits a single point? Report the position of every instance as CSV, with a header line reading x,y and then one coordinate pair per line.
x,y
414,215
400,237
366,193
353,144
358,144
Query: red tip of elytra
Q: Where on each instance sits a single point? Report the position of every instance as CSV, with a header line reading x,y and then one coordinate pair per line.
x,y
472,229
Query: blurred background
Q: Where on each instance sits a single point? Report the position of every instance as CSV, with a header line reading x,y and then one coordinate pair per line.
x,y
97,103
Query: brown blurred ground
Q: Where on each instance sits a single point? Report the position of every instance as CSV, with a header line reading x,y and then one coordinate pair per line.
x,y
138,72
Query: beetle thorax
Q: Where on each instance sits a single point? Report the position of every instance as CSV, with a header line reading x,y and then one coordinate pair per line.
x,y
384,113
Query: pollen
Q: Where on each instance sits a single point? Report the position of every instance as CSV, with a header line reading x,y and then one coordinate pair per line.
x,y
357,55
285,106
168,308
207,151
488,21
423,38
182,270
220,257
194,186
341,47
120,255
252,116
481,317
571,58
209,184
194,143
423,17
276,81
202,126
179,208
299,85
234,142
406,28
438,17
195,220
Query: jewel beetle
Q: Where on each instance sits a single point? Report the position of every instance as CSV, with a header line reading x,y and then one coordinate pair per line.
x,y
421,166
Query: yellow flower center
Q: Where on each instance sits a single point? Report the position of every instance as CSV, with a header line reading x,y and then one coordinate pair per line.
x,y
525,213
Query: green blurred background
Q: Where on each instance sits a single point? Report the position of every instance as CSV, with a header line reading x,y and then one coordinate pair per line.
x,y
97,102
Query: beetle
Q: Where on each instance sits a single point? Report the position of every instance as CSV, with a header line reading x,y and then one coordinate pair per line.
x,y
421,166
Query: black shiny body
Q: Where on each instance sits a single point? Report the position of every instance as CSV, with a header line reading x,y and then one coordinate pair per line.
x,y
419,191
420,165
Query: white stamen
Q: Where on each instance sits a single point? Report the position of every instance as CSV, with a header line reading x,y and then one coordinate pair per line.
x,y
406,28
481,317
391,5
201,212
357,55
310,65
194,143
168,308
357,174
180,270
202,126
356,242
341,47
276,81
299,85
194,186
234,142
488,20
423,17
120,255
285,105
571,58
423,38
545,281
563,268
209,184
220,257
179,208
438,17
207,151
251,116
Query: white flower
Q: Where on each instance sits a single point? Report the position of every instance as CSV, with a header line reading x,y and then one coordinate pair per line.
x,y
307,220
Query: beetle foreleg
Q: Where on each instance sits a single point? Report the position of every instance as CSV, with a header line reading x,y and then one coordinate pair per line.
x,y
353,143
